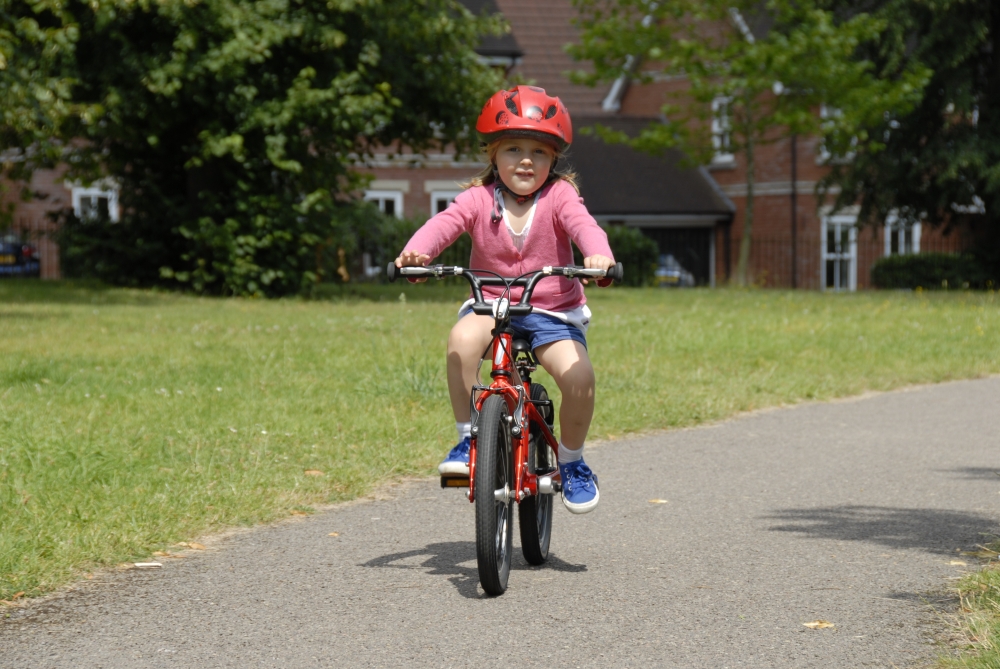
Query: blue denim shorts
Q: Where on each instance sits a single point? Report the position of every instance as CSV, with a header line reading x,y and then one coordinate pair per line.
x,y
542,329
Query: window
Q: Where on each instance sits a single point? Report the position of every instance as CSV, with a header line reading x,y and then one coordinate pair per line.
x,y
840,253
389,202
440,199
95,202
901,238
721,132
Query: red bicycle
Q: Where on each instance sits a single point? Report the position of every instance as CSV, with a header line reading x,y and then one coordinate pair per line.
x,y
513,454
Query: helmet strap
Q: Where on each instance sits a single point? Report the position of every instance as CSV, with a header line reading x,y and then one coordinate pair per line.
x,y
497,215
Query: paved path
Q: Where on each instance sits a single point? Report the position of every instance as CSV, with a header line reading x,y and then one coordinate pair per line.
x,y
849,512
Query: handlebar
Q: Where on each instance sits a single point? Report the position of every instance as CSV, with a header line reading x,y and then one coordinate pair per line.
x,y
529,280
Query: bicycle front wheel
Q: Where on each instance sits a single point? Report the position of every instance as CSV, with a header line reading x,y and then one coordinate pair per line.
x,y
494,496
535,512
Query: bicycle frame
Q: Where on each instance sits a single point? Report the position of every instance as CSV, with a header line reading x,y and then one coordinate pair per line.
x,y
516,392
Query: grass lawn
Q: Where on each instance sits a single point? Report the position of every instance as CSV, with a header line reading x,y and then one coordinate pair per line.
x,y
131,420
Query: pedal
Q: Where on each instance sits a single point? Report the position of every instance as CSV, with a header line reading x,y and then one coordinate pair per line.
x,y
548,486
454,481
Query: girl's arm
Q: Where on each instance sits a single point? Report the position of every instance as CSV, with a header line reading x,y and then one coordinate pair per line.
x,y
583,229
440,231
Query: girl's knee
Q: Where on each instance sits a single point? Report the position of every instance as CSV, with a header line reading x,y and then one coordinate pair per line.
x,y
466,338
578,380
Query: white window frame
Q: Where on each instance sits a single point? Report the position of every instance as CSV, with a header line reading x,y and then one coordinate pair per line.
x,y
850,254
98,191
448,195
893,224
379,197
722,132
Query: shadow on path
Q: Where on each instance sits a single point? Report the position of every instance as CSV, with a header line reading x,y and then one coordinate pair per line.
x,y
980,473
447,559
932,530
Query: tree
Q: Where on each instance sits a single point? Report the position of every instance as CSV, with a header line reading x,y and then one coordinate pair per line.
x,y
36,56
770,82
231,126
940,161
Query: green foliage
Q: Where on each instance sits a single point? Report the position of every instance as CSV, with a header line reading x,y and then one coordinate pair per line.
x,y
932,162
636,252
798,45
231,126
37,42
931,271
771,76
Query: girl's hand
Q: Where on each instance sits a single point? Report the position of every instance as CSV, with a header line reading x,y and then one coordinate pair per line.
x,y
413,259
598,262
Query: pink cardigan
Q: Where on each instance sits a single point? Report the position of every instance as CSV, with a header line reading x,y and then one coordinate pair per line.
x,y
559,217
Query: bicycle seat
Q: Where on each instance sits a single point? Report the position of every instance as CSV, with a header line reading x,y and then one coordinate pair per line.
x,y
521,346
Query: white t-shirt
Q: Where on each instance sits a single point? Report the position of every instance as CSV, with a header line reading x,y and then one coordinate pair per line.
x,y
519,237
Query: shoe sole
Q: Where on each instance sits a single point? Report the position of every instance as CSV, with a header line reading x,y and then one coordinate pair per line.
x,y
460,468
585,507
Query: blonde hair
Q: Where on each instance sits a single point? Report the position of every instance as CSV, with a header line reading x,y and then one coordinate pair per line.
x,y
488,173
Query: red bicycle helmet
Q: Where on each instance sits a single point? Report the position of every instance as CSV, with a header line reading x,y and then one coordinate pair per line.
x,y
526,111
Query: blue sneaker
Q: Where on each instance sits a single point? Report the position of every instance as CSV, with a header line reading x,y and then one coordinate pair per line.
x,y
579,486
457,461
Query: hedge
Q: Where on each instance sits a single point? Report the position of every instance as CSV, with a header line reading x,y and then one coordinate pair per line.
x,y
931,271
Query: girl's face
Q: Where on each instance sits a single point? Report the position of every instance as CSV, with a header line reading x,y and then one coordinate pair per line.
x,y
524,164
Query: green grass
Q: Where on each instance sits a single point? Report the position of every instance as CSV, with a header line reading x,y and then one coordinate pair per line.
x,y
979,621
130,420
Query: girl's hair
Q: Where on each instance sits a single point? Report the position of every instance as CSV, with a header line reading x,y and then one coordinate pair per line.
x,y
488,173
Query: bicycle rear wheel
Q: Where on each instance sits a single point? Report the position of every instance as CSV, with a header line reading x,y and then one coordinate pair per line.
x,y
494,496
535,512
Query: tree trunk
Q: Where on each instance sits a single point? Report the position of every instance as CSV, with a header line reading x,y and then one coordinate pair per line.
x,y
744,259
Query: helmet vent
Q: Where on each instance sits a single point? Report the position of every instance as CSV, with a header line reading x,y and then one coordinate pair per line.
x,y
551,111
511,107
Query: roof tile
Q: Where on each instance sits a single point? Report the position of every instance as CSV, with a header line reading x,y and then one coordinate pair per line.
x,y
542,28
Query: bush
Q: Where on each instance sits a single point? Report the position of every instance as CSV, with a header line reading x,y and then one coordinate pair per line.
x,y
384,237
930,271
637,252
283,257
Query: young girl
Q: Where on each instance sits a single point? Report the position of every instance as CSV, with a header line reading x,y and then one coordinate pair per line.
x,y
521,214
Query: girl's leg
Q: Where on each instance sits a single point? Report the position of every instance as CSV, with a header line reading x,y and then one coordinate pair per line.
x,y
568,363
466,343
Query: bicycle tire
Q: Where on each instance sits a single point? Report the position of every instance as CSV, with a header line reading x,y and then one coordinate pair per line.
x,y
534,514
494,519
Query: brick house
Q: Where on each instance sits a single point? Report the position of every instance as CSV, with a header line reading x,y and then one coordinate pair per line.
x,y
693,214
796,242
50,192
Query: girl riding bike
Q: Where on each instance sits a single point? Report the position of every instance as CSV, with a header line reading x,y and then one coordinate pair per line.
x,y
522,212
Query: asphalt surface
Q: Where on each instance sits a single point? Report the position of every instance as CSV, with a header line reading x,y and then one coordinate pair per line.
x,y
849,512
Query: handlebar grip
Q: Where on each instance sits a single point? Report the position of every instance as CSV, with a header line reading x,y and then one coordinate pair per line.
x,y
616,273
392,272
